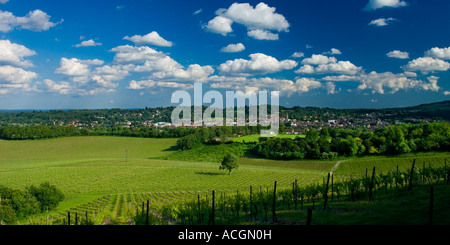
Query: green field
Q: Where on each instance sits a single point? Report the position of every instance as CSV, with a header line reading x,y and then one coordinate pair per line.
x,y
96,176
89,168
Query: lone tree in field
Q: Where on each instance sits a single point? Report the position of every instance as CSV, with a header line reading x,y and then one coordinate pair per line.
x,y
230,162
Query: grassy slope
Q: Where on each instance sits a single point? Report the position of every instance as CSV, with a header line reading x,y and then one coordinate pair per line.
x,y
86,168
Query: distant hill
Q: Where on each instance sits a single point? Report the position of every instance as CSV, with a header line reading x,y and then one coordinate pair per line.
x,y
439,110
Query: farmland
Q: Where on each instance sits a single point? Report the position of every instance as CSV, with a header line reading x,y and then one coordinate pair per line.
x,y
110,177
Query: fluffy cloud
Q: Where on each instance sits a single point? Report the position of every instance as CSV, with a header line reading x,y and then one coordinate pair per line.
x,y
341,78
378,82
85,80
152,38
306,69
284,86
150,84
15,75
427,64
382,22
132,54
342,67
377,4
36,20
259,20
194,73
307,84
233,48
261,17
258,64
334,51
161,66
329,66
4,1
59,88
318,59
13,54
262,35
88,43
398,54
298,55
439,53
158,63
331,88
220,25
76,67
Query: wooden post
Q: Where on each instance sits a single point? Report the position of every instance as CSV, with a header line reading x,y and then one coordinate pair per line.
x,y
309,217
431,205
251,202
199,211
371,186
411,176
332,190
396,178
325,195
148,212
76,218
212,212
68,218
143,209
274,217
296,194
86,218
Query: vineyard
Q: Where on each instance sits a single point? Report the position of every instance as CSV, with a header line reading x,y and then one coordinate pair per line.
x,y
261,205
110,181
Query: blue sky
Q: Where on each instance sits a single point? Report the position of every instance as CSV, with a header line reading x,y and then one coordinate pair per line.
x,y
132,54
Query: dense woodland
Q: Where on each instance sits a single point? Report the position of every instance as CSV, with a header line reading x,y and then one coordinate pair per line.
x,y
330,142
17,203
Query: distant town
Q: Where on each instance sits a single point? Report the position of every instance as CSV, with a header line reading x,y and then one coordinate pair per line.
x,y
294,120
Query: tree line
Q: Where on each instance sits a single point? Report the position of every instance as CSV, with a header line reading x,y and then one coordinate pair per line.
x,y
17,204
204,134
329,143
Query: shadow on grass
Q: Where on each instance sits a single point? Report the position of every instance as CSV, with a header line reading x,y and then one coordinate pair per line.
x,y
172,148
210,173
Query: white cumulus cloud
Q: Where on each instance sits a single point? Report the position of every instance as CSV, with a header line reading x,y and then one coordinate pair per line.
x,y
379,82
398,54
261,21
152,38
427,64
13,54
258,64
233,48
318,59
76,67
220,25
382,21
439,53
36,20
263,35
15,75
88,43
377,4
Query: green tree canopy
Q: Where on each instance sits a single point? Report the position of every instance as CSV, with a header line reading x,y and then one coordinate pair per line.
x,y
230,162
